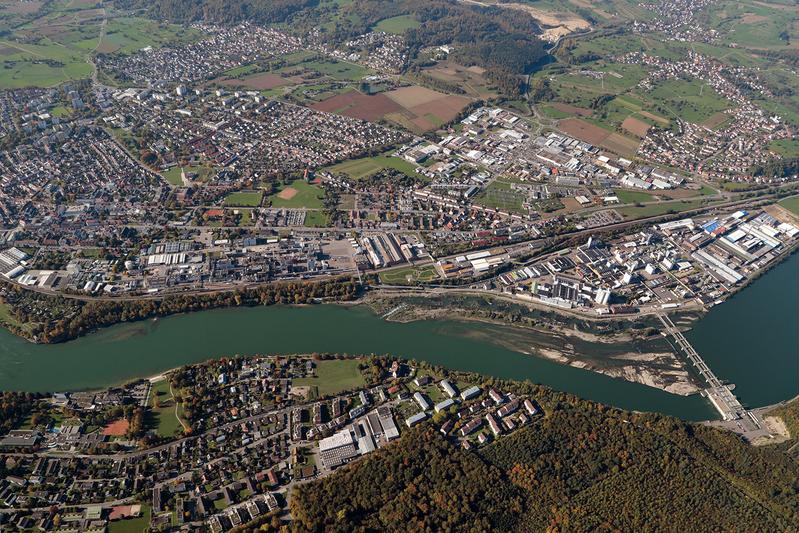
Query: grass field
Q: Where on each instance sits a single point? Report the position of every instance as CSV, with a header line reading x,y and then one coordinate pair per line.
x,y
125,35
53,48
338,70
735,186
785,147
132,525
298,194
693,101
365,167
499,195
791,204
663,208
397,25
6,317
334,376
164,420
244,199
631,197
470,79
316,219
173,174
409,275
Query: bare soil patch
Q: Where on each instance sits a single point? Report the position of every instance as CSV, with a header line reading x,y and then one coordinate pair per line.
x,y
288,193
621,145
654,117
716,120
414,95
585,131
106,47
752,18
259,82
572,109
357,105
445,109
117,428
635,126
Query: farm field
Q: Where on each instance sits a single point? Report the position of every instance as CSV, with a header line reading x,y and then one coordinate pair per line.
x,y
244,199
54,48
258,82
599,136
358,105
334,376
693,101
46,64
125,35
365,167
298,194
339,70
415,108
754,24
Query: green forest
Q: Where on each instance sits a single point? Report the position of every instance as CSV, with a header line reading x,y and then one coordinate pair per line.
x,y
583,467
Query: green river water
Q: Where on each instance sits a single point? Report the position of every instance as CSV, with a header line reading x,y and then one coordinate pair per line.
x,y
751,340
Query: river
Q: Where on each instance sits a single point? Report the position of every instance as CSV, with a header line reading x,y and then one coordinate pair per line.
x,y
750,340
145,348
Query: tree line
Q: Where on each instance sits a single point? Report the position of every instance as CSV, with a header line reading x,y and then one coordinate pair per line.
x,y
85,316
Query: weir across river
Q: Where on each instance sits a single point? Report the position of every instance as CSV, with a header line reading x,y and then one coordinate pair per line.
x,y
748,423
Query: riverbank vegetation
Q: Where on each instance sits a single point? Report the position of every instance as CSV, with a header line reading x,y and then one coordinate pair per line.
x,y
584,466
50,318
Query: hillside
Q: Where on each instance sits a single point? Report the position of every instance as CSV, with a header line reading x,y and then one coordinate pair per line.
x,y
583,467
501,41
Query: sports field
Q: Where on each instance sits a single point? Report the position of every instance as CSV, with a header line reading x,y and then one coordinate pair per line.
x,y
244,199
334,376
132,525
298,194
